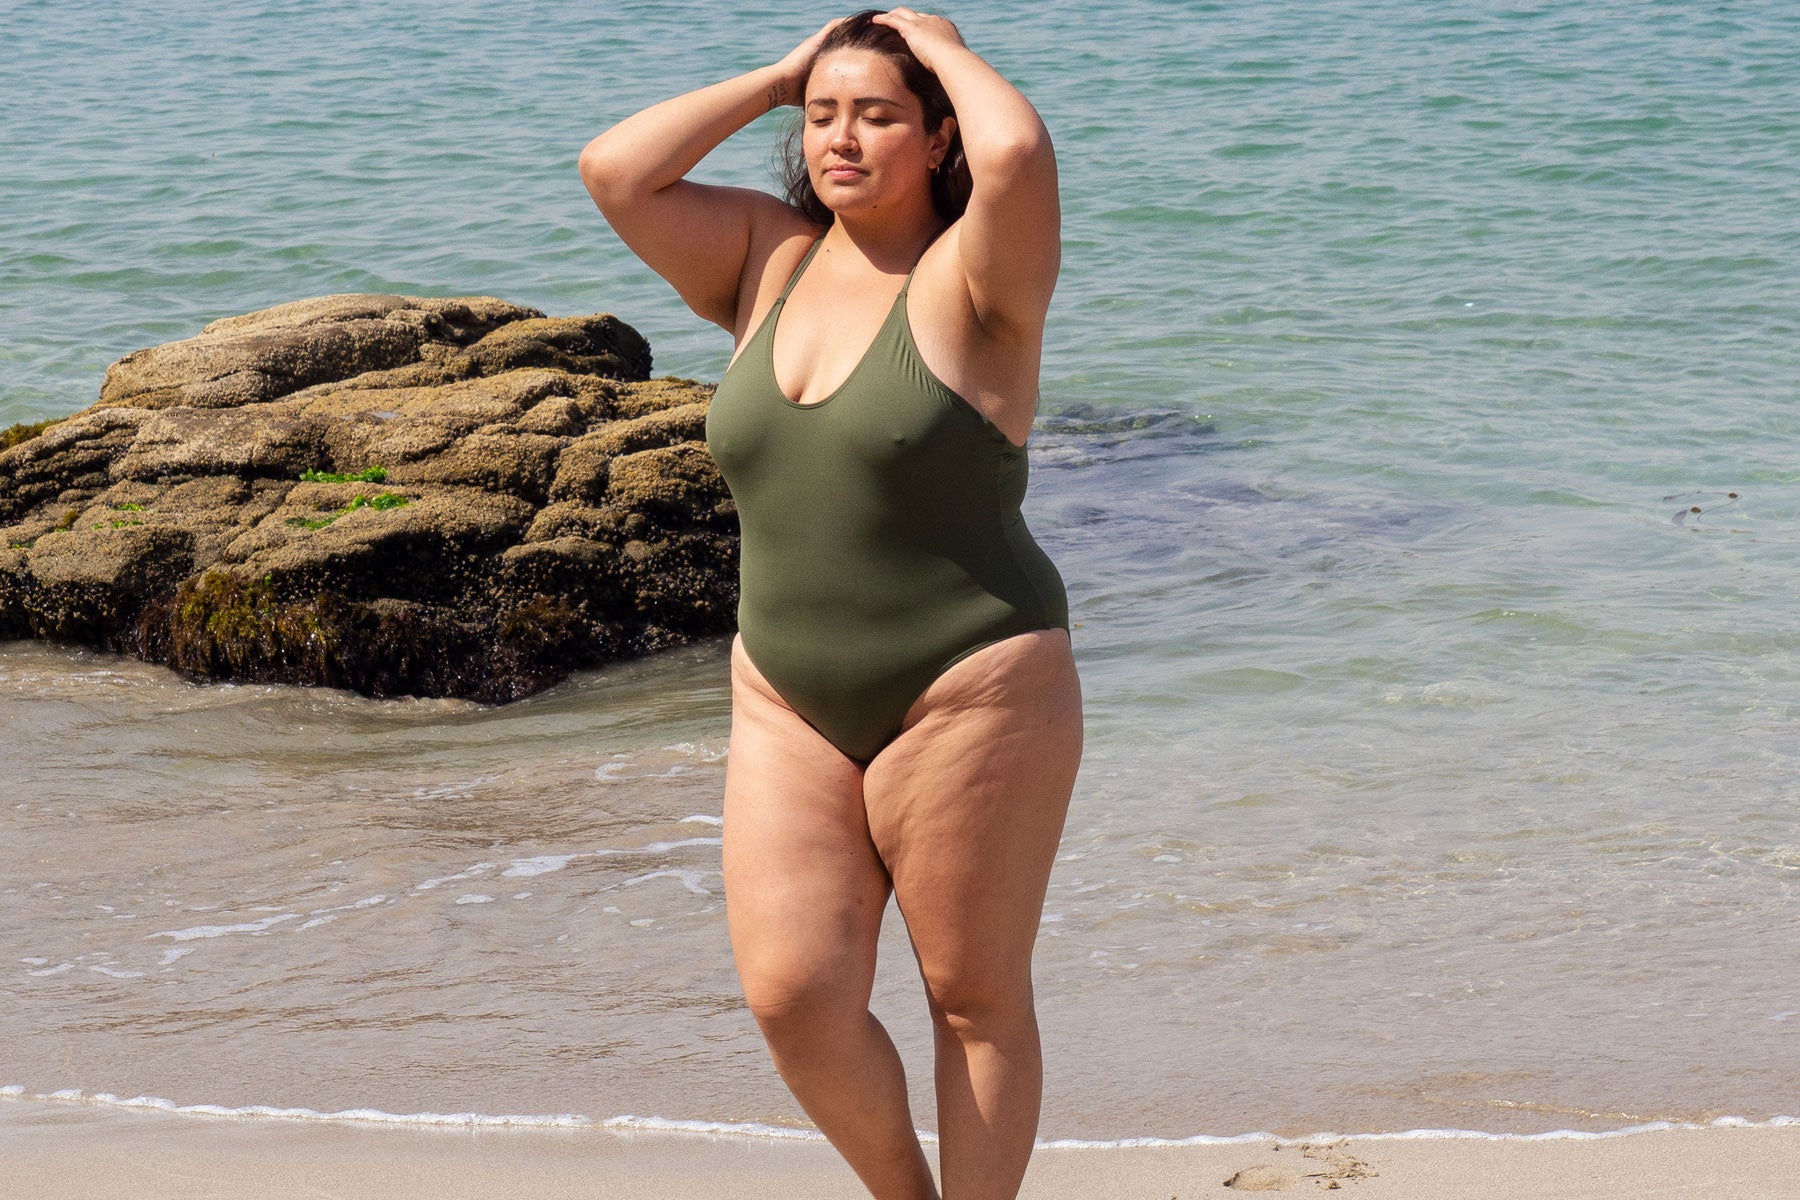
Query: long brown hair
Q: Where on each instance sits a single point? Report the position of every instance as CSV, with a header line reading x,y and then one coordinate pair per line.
x,y
950,183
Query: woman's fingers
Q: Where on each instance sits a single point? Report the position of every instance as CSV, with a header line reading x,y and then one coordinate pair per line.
x,y
908,20
813,41
805,50
923,31
793,66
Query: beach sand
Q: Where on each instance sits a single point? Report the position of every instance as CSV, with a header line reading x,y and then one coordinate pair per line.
x,y
83,1153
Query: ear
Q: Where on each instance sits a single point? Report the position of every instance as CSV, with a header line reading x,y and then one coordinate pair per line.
x,y
940,141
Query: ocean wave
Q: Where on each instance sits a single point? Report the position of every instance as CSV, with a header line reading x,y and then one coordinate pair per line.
x,y
627,1122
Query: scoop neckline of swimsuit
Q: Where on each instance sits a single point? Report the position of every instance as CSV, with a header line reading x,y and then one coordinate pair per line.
x,y
774,323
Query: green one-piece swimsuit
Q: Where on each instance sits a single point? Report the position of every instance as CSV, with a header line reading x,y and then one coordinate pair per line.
x,y
882,541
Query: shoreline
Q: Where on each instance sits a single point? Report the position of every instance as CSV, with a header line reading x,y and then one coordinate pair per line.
x,y
65,1151
629,1124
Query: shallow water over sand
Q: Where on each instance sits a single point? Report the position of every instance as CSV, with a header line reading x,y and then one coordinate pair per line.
x,y
1295,893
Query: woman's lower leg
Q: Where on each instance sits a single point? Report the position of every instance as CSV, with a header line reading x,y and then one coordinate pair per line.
x,y
990,1082
848,1078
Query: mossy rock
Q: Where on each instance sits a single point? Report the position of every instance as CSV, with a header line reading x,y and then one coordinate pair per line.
x,y
395,494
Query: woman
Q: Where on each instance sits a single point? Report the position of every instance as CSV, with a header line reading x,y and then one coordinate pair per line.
x,y
906,716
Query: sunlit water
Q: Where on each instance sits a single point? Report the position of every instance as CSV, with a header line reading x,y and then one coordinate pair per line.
x,y
1441,759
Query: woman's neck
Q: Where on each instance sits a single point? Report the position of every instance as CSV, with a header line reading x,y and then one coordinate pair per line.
x,y
890,244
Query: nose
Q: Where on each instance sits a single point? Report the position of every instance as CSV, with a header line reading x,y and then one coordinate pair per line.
x,y
843,137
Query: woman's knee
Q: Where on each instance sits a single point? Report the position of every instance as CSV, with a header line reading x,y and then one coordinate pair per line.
x,y
801,996
980,1004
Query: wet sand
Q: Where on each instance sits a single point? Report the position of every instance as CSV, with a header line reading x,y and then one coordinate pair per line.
x,y
87,1154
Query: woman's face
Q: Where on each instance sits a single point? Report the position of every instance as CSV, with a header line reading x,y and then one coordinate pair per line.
x,y
865,138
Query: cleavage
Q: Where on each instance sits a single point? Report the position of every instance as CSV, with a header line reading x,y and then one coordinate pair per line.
x,y
838,369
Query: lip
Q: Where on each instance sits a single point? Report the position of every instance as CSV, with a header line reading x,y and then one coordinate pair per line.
x,y
842,172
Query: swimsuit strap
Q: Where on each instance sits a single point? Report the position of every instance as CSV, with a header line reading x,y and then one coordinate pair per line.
x,y
800,270
928,245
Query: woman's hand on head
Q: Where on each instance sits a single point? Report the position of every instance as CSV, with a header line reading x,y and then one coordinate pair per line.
x,y
792,86
923,32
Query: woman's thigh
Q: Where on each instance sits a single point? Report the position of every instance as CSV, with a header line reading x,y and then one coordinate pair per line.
x,y
967,806
804,886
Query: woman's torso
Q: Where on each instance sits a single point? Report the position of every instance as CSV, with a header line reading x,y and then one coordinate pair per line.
x,y
881,532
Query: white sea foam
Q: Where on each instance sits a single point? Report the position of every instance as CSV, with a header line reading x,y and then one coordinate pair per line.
x,y
210,931
543,864
622,767
461,790
700,751
427,884
757,1129
1552,1135
689,879
108,1100
659,847
365,902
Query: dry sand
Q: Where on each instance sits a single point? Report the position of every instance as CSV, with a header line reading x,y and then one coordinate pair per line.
x,y
53,1152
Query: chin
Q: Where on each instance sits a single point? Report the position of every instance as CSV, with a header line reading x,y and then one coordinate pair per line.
x,y
845,199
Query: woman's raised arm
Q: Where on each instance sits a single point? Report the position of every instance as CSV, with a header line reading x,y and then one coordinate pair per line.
x,y
1010,239
696,236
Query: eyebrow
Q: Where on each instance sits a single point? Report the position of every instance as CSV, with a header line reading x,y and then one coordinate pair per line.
x,y
860,100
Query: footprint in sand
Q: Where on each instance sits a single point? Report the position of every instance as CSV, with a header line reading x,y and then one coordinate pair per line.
x,y
1340,1167
1262,1179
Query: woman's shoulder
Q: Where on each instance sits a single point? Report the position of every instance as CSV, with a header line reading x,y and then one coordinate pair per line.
x,y
780,236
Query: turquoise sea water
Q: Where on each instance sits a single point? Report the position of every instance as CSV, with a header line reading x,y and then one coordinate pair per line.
x,y
1442,758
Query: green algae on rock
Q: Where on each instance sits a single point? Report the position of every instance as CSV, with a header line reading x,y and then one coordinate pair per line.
x,y
542,504
23,432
